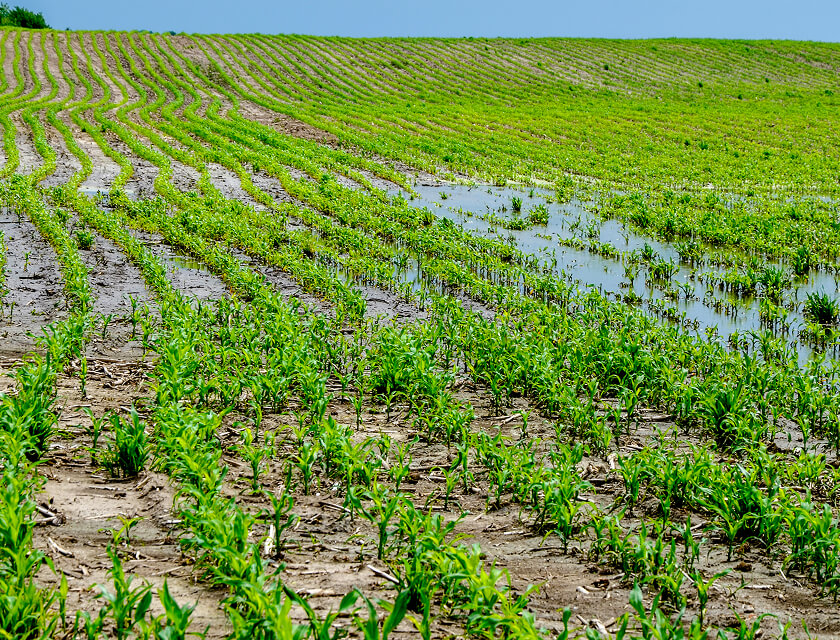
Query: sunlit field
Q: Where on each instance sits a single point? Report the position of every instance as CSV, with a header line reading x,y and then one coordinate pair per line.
x,y
311,337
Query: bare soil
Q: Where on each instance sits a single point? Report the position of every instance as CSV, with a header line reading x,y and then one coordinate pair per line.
x,y
35,295
114,282
28,157
285,124
66,164
328,553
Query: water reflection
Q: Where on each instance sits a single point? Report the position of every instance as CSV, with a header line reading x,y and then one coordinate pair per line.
x,y
598,259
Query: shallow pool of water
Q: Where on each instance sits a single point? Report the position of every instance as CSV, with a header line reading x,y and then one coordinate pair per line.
x,y
474,208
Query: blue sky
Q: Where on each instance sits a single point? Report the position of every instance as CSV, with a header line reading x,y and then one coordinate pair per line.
x,y
792,19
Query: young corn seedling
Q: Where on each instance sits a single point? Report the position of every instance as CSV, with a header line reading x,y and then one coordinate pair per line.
x,y
83,369
94,431
126,606
255,457
401,466
283,519
127,454
703,587
655,624
396,611
134,316
385,505
122,536
175,622
305,461
326,628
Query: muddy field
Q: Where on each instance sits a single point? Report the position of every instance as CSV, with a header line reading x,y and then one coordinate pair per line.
x,y
327,553
388,232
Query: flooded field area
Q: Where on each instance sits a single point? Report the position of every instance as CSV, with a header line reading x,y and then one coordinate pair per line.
x,y
574,243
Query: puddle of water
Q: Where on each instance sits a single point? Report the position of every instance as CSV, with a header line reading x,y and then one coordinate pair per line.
x,y
186,274
475,207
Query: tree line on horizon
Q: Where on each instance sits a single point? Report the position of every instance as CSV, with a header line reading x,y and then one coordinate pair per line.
x,y
21,17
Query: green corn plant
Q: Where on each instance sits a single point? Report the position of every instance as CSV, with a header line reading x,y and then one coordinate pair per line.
x,y
703,587
106,321
325,628
134,315
634,471
371,628
128,453
255,456
125,606
283,518
175,623
654,624
400,469
802,261
31,408
84,239
122,536
822,309
451,479
748,629
83,367
305,461
384,507
725,410
26,610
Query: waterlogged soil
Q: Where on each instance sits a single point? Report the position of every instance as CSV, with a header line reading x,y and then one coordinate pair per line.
x,y
284,284
469,206
185,274
271,186
381,304
329,553
184,177
114,281
35,295
142,181
389,307
230,185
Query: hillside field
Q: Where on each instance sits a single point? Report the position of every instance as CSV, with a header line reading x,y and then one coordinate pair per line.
x,y
304,338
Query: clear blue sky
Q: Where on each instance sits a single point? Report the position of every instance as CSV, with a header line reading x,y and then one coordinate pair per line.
x,y
776,19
